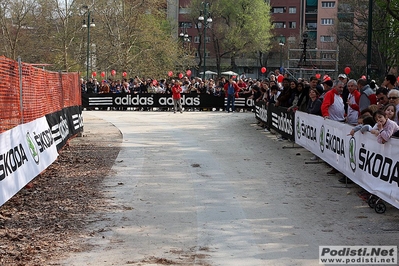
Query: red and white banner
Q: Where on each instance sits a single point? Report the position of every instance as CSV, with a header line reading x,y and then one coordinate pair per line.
x,y
25,151
373,166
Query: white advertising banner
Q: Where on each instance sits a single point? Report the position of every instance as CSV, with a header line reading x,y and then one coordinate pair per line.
x,y
371,165
25,151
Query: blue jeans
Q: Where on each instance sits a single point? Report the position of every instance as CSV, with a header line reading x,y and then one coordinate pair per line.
x,y
230,101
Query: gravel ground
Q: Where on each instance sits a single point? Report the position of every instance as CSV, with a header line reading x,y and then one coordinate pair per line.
x,y
42,221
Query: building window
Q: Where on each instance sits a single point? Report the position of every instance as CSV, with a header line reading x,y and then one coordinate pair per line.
x,y
207,54
279,25
184,10
277,10
292,10
311,26
328,4
187,25
327,21
292,25
326,38
291,39
326,56
198,38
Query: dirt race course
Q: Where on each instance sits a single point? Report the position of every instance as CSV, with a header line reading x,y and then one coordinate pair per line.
x,y
198,188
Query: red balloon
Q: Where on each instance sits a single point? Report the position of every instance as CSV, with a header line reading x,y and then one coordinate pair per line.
x,y
124,74
325,77
347,70
102,74
170,73
397,78
180,75
280,78
318,75
188,72
154,82
113,72
363,77
234,77
94,73
263,69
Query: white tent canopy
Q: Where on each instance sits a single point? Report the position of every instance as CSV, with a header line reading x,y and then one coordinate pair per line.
x,y
230,73
208,72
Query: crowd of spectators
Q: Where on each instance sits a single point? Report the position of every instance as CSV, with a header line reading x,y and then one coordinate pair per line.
x,y
366,106
343,99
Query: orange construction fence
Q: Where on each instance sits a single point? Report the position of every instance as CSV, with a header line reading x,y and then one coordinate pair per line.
x,y
28,92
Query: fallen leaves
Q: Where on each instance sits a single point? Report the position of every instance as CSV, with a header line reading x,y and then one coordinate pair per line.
x,y
42,221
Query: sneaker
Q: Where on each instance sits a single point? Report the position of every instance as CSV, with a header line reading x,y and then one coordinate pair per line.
x,y
266,130
314,158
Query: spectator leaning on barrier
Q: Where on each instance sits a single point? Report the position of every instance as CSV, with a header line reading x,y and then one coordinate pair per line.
x,y
333,108
384,127
393,97
333,105
273,96
314,104
367,95
301,98
285,95
90,86
364,123
353,102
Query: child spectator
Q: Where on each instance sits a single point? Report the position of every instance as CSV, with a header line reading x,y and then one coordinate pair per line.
x,y
384,127
364,123
390,111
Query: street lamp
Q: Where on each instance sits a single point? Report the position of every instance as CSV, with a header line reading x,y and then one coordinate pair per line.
x,y
281,43
183,34
89,24
205,18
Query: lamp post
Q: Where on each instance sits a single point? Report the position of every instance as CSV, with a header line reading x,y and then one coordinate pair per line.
x,y
88,25
205,18
183,34
281,43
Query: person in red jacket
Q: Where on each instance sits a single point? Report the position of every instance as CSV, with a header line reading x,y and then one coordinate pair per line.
x,y
333,108
333,105
231,89
352,102
176,90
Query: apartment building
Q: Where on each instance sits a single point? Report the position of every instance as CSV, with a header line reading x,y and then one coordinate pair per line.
x,y
297,23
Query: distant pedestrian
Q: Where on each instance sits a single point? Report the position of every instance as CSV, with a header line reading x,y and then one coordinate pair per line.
x,y
231,89
176,90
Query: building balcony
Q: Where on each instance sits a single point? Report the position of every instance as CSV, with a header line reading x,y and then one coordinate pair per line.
x,y
311,10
